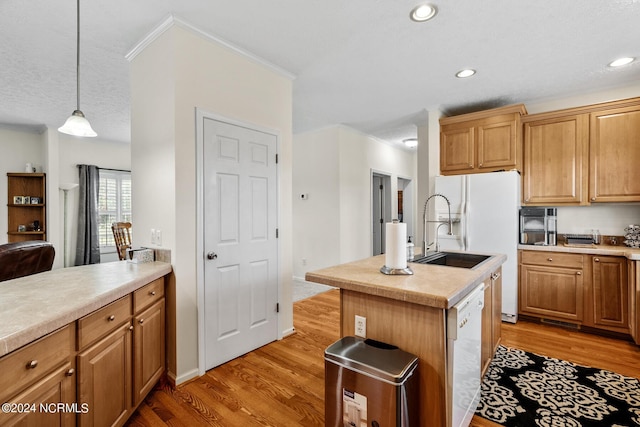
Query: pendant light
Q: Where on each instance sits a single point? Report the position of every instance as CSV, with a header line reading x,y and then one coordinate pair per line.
x,y
77,124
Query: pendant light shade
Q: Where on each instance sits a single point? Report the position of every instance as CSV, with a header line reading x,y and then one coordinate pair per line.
x,y
77,124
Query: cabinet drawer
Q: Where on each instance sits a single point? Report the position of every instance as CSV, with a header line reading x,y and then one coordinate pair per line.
x,y
559,259
103,321
148,294
26,365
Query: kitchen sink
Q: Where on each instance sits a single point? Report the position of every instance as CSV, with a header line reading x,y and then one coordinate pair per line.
x,y
453,259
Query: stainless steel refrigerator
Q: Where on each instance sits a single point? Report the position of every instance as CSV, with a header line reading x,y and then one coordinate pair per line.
x,y
485,209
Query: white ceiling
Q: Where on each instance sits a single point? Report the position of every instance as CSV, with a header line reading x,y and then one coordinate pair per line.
x,y
361,63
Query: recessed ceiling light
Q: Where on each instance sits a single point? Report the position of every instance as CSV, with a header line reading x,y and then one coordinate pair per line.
x,y
621,61
410,142
423,12
465,73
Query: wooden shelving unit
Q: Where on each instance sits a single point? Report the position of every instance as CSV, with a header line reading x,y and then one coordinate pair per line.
x,y
30,213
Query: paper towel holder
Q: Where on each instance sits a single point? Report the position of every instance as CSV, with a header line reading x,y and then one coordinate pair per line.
x,y
396,271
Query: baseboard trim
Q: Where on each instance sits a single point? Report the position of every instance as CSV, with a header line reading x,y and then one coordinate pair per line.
x,y
177,380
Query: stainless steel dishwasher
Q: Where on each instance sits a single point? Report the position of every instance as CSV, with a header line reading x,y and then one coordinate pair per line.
x,y
369,383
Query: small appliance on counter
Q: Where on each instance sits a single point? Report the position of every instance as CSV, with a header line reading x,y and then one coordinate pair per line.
x,y
538,226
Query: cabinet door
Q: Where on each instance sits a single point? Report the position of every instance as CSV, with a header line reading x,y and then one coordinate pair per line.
x,y
104,380
610,293
556,161
43,399
633,273
487,327
552,292
457,149
149,349
615,155
497,145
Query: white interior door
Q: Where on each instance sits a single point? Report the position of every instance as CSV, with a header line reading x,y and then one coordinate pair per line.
x,y
240,246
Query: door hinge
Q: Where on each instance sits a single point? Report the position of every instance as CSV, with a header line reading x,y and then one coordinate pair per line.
x,y
276,158
381,220
381,187
277,233
277,307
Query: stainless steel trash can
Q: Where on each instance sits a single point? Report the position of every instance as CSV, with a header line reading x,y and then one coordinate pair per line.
x,y
370,384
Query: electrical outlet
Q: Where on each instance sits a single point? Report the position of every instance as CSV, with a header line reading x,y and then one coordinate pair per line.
x,y
159,237
361,326
153,236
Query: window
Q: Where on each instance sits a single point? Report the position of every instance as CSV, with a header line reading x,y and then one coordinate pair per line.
x,y
114,204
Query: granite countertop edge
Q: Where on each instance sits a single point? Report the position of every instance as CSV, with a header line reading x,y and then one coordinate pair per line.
x,y
362,276
23,323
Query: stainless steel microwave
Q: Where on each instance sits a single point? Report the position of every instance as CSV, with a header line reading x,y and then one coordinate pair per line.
x,y
538,226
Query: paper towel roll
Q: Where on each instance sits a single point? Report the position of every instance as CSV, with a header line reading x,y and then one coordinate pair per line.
x,y
396,245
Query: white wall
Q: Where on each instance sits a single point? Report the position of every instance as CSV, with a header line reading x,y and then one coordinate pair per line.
x,y
334,166
17,147
174,74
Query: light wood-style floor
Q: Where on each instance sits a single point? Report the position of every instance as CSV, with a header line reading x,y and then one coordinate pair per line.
x,y
282,384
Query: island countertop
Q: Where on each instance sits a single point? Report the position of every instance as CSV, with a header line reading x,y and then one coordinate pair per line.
x,y
430,285
33,306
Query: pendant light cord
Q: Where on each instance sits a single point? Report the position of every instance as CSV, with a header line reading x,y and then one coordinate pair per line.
x,y
78,55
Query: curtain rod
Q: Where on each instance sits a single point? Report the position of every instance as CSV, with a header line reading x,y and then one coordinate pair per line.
x,y
109,169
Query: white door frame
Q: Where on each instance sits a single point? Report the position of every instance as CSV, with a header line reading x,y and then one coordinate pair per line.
x,y
200,116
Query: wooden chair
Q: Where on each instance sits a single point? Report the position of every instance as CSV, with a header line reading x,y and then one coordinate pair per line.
x,y
122,237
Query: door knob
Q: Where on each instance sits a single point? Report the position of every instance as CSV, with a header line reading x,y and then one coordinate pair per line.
x,y
212,255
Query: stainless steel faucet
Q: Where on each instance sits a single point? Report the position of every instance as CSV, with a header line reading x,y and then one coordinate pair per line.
x,y
425,221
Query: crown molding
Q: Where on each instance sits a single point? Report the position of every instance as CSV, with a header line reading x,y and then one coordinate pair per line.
x,y
171,21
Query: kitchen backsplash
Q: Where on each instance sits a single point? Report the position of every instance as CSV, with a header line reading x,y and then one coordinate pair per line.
x,y
610,219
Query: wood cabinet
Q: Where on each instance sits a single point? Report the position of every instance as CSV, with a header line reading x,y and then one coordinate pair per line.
x,y
26,205
39,377
582,155
610,293
485,141
615,155
634,299
556,159
104,365
149,338
551,285
491,318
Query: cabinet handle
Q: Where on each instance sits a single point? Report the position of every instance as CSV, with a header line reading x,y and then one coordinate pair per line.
x,y
111,318
593,199
579,273
32,364
70,372
596,259
131,327
152,293
550,259
141,321
470,165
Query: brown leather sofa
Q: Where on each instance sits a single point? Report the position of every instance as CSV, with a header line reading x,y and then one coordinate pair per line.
x,y
25,258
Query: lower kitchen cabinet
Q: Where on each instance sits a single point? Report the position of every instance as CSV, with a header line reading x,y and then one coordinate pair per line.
x,y
491,318
610,293
633,275
35,379
104,379
149,349
551,285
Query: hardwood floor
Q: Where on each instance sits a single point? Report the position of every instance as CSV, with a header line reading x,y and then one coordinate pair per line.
x,y
282,384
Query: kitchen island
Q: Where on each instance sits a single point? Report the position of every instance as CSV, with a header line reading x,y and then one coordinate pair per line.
x,y
411,312
91,338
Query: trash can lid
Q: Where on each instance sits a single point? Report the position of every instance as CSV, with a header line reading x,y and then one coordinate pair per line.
x,y
377,359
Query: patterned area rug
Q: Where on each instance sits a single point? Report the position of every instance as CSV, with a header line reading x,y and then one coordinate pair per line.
x,y
523,389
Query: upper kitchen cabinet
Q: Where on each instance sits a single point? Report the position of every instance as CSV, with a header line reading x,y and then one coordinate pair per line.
x,y
556,159
582,155
485,141
615,154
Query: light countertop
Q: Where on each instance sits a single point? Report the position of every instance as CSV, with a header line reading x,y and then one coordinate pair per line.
x,y
33,306
431,285
603,249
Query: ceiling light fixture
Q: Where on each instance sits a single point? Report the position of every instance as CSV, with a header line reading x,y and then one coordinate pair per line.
x,y
410,142
621,61
465,73
77,124
423,12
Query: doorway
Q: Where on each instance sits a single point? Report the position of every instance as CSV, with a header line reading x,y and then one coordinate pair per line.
x,y
381,202
239,248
